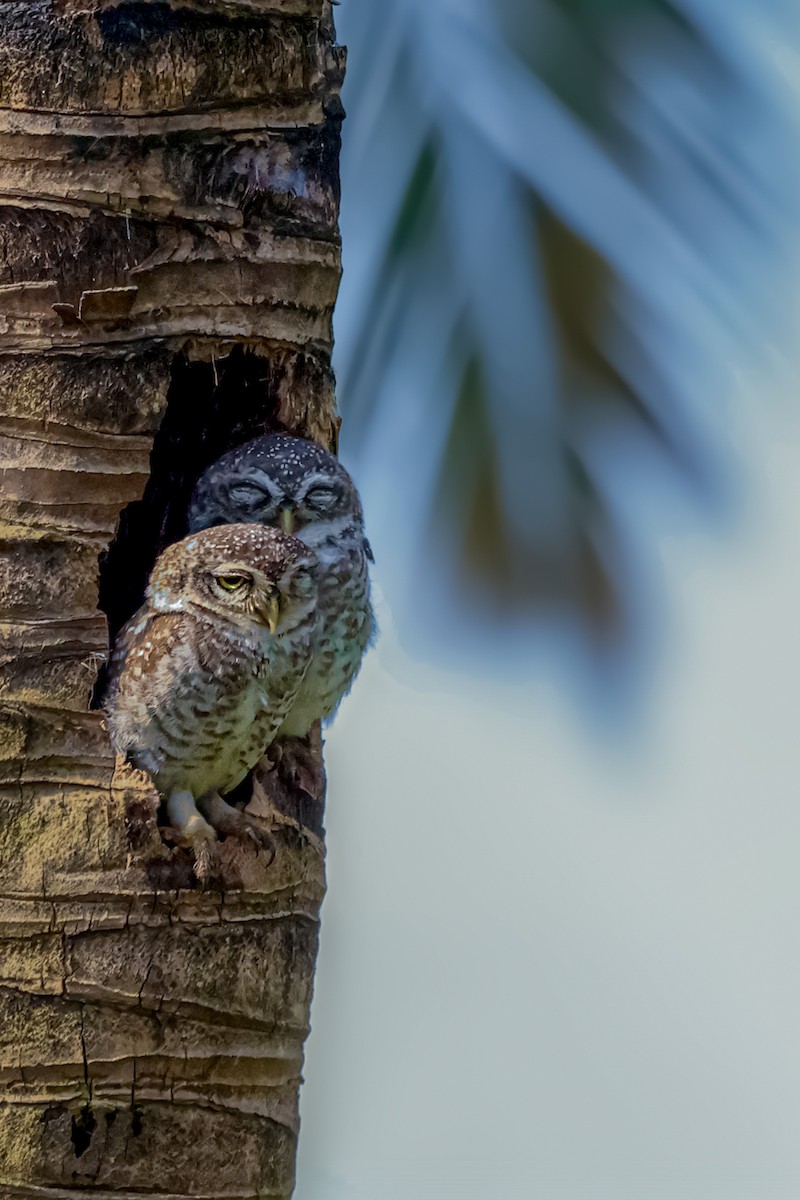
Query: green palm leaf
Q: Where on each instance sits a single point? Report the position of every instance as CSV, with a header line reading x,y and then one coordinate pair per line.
x,y
564,228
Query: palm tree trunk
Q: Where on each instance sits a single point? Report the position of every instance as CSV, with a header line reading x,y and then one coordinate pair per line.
x,y
169,261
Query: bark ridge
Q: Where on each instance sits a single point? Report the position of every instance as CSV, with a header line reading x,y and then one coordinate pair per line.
x,y
169,261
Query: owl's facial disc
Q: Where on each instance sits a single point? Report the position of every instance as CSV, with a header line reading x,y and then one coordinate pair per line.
x,y
247,591
291,510
324,500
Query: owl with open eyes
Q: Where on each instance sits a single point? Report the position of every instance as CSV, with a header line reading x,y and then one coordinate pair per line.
x,y
203,675
297,486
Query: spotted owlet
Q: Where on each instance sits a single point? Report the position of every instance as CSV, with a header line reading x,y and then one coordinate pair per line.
x,y
293,484
203,675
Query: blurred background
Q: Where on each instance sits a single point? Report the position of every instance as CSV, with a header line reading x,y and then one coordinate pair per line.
x,y
561,948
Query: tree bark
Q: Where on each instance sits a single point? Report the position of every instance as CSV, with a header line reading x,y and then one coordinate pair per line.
x,y
169,261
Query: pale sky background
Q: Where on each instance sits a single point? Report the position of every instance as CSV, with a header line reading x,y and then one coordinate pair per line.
x,y
560,952
588,989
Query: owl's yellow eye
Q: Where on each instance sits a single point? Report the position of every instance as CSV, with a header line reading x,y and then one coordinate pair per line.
x,y
232,583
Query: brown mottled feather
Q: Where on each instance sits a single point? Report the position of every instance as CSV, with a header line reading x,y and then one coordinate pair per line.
x,y
198,683
272,475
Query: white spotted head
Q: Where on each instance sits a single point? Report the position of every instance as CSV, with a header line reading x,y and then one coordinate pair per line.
x,y
284,482
250,574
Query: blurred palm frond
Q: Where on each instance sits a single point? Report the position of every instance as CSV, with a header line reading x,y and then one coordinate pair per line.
x,y
563,225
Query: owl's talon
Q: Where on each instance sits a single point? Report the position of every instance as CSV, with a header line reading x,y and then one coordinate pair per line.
x,y
232,822
192,831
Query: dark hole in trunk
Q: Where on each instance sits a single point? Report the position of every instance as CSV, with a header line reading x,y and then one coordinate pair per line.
x,y
211,406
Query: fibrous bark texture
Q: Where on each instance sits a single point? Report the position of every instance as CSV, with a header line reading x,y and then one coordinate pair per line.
x,y
169,261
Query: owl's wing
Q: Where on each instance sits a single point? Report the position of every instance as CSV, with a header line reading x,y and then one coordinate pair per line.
x,y
159,661
124,643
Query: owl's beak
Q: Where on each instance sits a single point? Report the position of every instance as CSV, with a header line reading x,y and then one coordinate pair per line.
x,y
272,612
287,519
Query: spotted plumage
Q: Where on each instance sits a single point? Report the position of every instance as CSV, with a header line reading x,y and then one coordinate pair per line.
x,y
202,677
290,483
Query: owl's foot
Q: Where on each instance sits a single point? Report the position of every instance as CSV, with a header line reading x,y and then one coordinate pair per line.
x,y
298,761
193,831
232,822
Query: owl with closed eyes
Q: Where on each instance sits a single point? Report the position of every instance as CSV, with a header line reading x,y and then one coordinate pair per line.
x,y
204,675
292,484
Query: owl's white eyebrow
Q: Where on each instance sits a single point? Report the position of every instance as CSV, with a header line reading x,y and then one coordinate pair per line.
x,y
263,484
312,481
